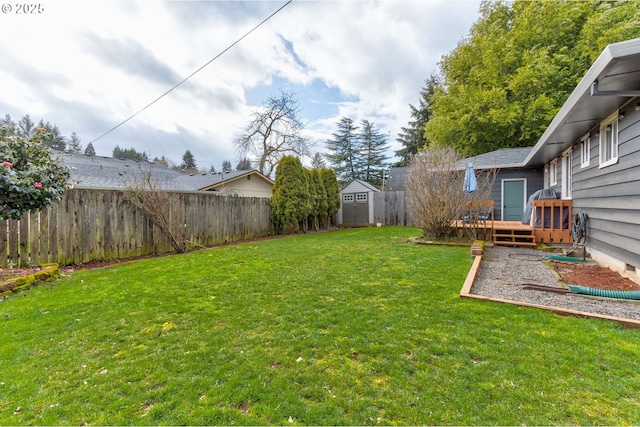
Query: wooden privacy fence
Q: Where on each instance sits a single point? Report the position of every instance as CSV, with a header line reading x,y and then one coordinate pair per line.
x,y
391,208
88,225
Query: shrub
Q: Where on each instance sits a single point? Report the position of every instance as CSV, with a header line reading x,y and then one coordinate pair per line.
x,y
30,177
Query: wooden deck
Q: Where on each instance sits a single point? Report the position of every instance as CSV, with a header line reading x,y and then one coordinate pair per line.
x,y
506,233
553,219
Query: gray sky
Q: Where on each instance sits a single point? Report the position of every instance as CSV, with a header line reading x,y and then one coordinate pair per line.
x,y
88,65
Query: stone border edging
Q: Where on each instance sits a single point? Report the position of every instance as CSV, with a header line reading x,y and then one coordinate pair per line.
x,y
49,272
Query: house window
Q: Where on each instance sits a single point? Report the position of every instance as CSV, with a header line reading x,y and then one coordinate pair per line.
x,y
609,141
585,151
348,198
361,197
553,172
567,178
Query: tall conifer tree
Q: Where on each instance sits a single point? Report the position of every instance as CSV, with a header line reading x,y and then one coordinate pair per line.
x,y
372,158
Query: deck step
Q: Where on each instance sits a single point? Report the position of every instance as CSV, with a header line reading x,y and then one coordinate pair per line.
x,y
513,237
506,243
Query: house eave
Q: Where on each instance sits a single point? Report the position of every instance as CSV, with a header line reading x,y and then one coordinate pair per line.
x,y
617,69
214,187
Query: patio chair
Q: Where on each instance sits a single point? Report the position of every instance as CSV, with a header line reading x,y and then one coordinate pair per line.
x,y
486,215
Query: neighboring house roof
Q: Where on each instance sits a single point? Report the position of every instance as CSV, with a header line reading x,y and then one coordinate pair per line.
x,y
215,181
362,183
500,159
616,70
98,172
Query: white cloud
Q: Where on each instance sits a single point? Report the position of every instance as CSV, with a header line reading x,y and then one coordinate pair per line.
x,y
86,66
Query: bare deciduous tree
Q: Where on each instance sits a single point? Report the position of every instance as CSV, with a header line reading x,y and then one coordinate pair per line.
x,y
158,205
476,214
274,131
435,181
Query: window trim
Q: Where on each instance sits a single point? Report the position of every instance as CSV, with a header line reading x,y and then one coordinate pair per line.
x,y
612,121
362,197
585,151
566,191
553,172
348,198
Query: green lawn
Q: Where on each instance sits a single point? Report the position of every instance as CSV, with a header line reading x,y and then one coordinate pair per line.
x,y
352,327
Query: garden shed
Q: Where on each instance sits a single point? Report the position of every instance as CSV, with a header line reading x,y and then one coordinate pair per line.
x,y
357,204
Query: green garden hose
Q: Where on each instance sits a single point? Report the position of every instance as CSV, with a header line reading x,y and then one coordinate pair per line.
x,y
563,258
635,295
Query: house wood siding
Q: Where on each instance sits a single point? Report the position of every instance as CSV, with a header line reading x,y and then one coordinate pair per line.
x,y
611,196
247,186
535,181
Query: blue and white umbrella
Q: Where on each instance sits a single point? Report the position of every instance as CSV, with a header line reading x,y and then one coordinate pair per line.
x,y
470,182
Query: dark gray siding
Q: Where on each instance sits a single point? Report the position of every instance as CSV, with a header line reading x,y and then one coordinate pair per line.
x,y
611,196
535,182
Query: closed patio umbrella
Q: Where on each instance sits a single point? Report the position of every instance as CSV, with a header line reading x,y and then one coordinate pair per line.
x,y
470,182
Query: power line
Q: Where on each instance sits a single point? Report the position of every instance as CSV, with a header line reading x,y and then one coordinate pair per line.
x,y
194,73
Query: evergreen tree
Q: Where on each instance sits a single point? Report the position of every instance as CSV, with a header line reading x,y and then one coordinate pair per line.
x,y
90,151
413,138
226,166
212,169
129,153
344,151
161,161
53,137
188,164
26,127
317,161
320,202
332,189
244,165
75,145
312,214
372,162
290,203
8,123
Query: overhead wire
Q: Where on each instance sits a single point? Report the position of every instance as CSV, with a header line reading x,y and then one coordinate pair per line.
x,y
194,73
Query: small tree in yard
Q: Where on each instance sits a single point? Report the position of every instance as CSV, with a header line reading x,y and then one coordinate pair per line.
x,y
30,177
474,210
156,204
320,205
332,188
290,202
436,194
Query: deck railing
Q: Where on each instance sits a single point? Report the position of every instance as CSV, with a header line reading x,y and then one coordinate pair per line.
x,y
551,220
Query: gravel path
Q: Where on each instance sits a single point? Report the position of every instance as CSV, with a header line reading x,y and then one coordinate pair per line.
x,y
504,270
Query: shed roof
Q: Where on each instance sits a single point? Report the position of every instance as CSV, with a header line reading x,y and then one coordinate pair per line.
x,y
363,183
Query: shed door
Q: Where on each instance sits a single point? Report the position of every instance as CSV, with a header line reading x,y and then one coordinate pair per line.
x,y
355,209
513,199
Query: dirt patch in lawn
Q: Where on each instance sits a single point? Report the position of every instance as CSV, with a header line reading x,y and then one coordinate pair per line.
x,y
593,276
